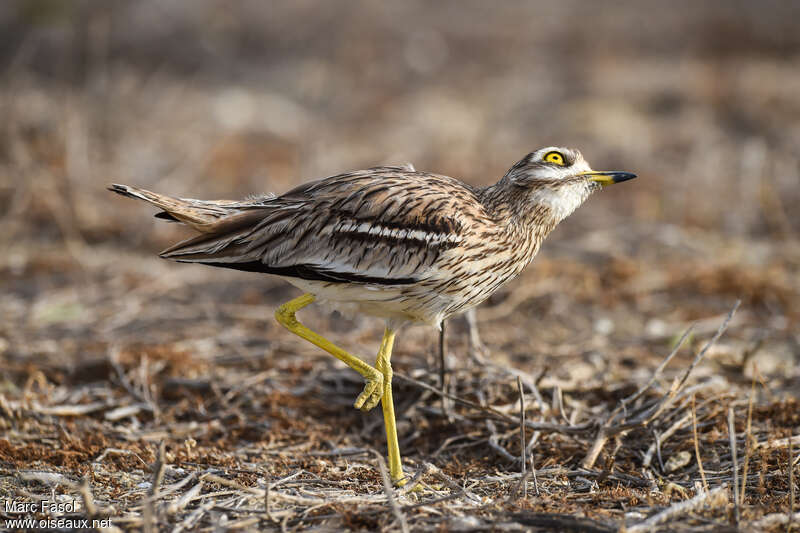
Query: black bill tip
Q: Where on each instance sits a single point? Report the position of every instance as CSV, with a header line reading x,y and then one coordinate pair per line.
x,y
609,177
618,177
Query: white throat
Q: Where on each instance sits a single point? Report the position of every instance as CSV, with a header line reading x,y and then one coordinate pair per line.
x,y
562,201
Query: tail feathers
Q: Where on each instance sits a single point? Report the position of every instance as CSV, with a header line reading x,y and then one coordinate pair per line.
x,y
206,217
224,225
206,248
163,215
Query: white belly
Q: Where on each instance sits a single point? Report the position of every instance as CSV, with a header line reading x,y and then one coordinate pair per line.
x,y
394,303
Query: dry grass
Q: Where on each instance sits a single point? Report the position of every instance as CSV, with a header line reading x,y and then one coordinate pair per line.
x,y
165,397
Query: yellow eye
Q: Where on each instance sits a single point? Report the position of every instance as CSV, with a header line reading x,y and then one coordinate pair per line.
x,y
554,157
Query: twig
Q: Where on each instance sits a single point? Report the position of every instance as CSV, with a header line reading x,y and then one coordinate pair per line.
x,y
648,457
339,452
494,437
606,431
117,451
266,503
47,478
657,442
69,410
443,371
450,440
159,468
697,447
635,396
477,350
452,484
779,443
194,517
213,478
542,426
148,512
494,442
791,486
522,442
770,521
389,491
267,492
169,489
442,367
523,482
709,344
113,358
678,509
88,500
147,392
427,503
748,438
732,436
414,481
677,386
557,405
186,498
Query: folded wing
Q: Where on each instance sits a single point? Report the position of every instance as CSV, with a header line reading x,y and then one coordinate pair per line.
x,y
383,226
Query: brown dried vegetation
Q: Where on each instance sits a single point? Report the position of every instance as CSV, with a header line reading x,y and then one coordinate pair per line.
x,y
108,352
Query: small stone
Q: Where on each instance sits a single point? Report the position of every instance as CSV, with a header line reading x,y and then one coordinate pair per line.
x,y
604,326
678,461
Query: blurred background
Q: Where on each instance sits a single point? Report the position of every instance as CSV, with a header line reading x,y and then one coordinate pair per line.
x,y
220,99
105,347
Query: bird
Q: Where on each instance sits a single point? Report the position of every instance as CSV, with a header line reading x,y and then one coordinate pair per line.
x,y
390,242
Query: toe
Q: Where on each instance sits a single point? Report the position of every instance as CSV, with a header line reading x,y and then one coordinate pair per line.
x,y
373,401
359,401
370,396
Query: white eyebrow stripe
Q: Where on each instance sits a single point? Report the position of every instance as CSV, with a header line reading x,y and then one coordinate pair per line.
x,y
399,234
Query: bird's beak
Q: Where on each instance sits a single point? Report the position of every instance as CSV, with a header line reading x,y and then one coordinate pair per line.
x,y
608,177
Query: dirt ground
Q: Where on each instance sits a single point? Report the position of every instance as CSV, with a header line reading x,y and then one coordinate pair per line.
x,y
160,396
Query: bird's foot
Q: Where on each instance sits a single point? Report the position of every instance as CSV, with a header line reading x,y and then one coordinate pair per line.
x,y
408,485
372,393
415,488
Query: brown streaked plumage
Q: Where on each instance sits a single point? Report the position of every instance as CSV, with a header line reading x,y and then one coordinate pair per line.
x,y
391,242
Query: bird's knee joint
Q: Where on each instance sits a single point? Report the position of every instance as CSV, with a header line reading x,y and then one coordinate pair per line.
x,y
286,317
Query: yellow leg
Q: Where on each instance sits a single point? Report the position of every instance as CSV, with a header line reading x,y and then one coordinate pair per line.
x,y
373,391
384,365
